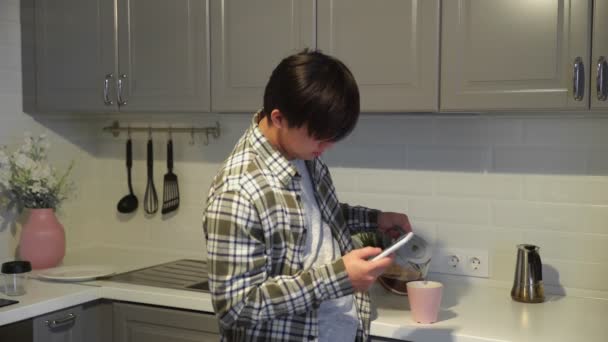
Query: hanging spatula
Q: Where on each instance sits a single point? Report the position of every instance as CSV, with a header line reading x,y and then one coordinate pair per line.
x,y
170,186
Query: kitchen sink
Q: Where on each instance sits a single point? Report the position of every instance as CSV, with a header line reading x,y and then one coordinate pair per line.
x,y
184,274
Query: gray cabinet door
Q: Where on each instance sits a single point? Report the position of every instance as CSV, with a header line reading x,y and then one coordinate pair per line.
x,y
600,50
248,39
163,62
141,323
391,46
60,326
513,54
75,50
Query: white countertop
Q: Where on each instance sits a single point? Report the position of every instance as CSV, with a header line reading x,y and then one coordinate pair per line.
x,y
469,312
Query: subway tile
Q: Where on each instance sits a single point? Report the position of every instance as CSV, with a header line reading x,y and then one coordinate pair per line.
x,y
597,161
392,130
10,82
481,185
11,58
539,160
9,11
447,158
574,189
449,210
503,131
394,182
556,131
597,132
551,217
10,34
570,246
479,237
384,202
459,131
371,156
344,179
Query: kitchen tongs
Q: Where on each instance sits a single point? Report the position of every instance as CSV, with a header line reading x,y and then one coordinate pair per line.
x,y
170,187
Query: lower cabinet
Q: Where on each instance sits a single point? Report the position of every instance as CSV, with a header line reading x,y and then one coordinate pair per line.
x,y
143,323
90,322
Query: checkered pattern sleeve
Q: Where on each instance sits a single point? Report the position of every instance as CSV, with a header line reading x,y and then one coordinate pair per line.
x,y
244,293
359,219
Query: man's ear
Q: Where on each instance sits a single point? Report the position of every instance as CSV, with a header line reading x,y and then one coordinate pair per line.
x,y
277,119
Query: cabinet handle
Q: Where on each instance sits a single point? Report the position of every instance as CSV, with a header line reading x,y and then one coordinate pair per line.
x,y
61,322
106,89
121,100
602,78
578,79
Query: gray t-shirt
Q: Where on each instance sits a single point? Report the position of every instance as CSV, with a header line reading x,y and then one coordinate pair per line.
x,y
337,317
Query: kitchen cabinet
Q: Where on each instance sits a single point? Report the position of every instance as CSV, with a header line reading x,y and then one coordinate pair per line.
x,y
121,56
519,54
248,39
391,46
143,323
599,56
90,322
21,331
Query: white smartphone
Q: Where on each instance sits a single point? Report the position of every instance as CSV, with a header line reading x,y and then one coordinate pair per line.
x,y
395,246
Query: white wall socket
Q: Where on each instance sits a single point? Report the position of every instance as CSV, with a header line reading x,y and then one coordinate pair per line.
x,y
467,262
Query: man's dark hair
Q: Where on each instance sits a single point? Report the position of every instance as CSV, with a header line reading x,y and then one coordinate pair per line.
x,y
317,90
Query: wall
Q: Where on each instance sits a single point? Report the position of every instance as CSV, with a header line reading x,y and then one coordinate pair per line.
x,y
71,137
469,181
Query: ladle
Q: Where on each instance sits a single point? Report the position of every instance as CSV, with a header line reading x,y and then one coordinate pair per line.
x,y
128,203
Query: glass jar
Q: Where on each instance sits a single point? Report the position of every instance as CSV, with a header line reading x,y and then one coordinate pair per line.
x,y
15,274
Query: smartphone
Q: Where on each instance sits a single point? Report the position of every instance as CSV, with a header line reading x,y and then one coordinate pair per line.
x,y
5,302
395,246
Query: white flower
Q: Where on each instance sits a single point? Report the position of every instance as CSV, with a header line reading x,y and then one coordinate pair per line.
x,y
41,172
28,178
24,162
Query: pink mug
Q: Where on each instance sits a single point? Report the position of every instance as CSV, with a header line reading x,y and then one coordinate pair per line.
x,y
425,300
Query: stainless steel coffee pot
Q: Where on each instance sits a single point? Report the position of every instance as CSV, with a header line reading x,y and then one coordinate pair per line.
x,y
528,283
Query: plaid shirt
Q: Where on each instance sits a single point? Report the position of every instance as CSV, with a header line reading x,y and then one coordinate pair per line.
x,y
255,229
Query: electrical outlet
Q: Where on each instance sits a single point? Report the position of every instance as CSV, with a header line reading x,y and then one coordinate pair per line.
x,y
467,262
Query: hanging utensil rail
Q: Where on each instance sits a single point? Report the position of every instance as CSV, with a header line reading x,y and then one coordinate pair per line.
x,y
116,128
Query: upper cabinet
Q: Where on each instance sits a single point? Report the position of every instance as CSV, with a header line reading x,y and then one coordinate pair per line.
x,y
599,56
516,54
125,55
391,46
406,55
248,39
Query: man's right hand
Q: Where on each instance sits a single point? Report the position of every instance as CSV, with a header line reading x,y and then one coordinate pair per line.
x,y
361,272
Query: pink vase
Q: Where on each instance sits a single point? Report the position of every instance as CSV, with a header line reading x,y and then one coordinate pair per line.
x,y
42,239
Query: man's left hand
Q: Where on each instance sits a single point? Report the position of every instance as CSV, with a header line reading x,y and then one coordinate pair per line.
x,y
390,223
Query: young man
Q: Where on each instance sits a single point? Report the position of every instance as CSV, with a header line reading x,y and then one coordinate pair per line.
x,y
281,261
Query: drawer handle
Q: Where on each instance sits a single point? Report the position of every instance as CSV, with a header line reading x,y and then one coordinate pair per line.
x,y
578,79
70,318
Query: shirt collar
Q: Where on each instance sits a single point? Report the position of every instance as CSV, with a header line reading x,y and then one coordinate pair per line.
x,y
271,157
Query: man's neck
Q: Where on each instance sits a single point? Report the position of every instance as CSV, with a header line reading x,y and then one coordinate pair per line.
x,y
272,135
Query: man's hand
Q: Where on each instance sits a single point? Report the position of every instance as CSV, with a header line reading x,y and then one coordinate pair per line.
x,y
363,273
388,221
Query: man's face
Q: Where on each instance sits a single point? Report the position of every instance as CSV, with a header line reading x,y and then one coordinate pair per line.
x,y
296,143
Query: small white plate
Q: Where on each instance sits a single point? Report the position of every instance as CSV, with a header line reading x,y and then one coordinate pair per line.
x,y
76,273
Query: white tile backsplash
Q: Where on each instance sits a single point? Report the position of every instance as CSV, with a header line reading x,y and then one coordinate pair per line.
x,y
466,181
